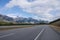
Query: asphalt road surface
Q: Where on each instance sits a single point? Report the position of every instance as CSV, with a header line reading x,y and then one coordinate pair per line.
x,y
42,32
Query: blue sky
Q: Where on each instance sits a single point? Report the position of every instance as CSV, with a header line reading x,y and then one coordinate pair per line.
x,y
38,9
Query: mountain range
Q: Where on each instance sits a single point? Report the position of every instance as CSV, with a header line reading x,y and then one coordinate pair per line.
x,y
19,20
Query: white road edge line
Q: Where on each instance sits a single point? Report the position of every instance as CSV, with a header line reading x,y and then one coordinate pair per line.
x,y
6,35
39,34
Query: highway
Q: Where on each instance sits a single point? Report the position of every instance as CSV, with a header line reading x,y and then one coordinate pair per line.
x,y
40,32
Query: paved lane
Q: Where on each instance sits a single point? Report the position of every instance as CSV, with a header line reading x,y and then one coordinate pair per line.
x,y
49,34
43,32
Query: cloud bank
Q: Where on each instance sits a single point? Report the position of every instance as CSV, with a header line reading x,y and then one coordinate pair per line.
x,y
40,7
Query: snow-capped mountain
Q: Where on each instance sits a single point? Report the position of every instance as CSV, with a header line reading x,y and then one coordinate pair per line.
x,y
19,19
5,18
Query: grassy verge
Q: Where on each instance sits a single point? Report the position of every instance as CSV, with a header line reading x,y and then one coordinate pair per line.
x,y
16,26
56,27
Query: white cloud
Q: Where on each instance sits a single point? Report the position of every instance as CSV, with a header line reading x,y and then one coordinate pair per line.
x,y
39,7
14,15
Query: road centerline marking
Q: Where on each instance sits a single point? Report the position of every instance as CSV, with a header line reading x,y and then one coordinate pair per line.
x,y
6,35
39,34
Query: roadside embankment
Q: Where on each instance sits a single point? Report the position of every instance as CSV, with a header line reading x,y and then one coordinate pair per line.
x,y
56,24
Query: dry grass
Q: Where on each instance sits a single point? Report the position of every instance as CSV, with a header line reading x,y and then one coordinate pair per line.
x,y
56,27
18,26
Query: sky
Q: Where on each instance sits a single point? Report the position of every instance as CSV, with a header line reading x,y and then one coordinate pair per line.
x,y
37,9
